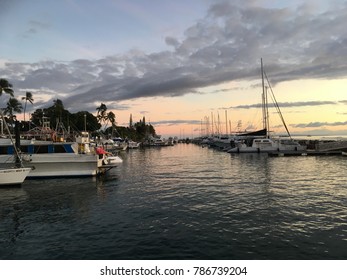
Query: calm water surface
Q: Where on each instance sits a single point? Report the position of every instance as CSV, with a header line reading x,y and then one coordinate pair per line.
x,y
183,202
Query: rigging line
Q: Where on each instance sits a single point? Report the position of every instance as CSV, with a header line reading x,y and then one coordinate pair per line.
x,y
17,152
277,106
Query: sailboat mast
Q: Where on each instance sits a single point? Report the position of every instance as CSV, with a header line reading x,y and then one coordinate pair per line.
x,y
226,122
267,112
264,101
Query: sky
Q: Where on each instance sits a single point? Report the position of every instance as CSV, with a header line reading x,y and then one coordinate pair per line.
x,y
181,64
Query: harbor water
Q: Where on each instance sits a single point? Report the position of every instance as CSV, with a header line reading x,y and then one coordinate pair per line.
x,y
183,202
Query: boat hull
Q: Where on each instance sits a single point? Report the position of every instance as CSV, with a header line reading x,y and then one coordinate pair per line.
x,y
13,176
60,165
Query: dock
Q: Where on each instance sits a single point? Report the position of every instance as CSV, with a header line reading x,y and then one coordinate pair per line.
x,y
304,153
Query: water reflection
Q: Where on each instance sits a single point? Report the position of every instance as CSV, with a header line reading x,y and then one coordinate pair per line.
x,y
183,202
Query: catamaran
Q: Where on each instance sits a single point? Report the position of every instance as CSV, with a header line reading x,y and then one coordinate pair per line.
x,y
266,144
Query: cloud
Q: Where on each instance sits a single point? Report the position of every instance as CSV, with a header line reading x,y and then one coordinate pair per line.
x,y
175,122
225,45
286,104
38,24
35,27
318,124
144,112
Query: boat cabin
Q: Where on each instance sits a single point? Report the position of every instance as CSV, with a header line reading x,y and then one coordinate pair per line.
x,y
38,149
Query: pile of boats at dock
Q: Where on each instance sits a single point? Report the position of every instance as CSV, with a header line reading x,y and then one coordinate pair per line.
x,y
259,142
44,153
52,157
47,158
119,144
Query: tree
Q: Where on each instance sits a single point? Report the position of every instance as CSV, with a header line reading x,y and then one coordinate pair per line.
x,y
78,120
111,117
131,121
37,116
6,87
28,97
13,106
56,114
104,117
143,130
101,112
59,108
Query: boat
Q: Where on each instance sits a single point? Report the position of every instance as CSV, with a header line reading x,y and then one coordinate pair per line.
x,y
58,159
17,174
113,145
221,141
13,176
158,142
226,142
265,144
133,144
110,158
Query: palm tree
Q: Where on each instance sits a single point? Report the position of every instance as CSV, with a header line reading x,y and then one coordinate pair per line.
x,y
13,106
28,97
101,112
59,108
6,87
111,117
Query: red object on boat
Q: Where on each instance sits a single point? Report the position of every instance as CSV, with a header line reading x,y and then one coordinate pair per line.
x,y
100,151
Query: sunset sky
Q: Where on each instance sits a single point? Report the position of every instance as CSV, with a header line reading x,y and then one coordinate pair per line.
x,y
180,62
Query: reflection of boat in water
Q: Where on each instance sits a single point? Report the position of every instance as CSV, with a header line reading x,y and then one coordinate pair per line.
x,y
265,144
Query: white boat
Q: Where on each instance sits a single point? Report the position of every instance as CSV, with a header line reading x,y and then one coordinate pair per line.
x,y
112,145
16,174
221,141
13,176
133,145
109,159
113,160
58,159
267,143
158,142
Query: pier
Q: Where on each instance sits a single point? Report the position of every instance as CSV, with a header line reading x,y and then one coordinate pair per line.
x,y
304,153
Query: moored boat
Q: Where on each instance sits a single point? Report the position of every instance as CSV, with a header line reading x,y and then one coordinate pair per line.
x,y
133,145
57,159
267,143
13,176
17,173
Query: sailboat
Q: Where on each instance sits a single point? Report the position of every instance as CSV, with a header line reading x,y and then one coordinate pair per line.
x,y
17,174
13,176
267,144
